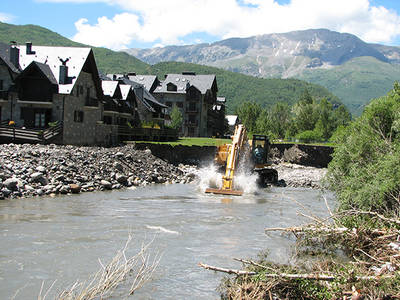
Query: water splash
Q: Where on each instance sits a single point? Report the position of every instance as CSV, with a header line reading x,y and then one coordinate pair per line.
x,y
210,177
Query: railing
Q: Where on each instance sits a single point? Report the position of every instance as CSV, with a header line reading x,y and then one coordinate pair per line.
x,y
191,109
152,134
191,123
30,135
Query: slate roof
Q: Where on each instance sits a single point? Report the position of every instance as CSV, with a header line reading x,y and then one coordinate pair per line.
x,y
142,96
201,82
109,87
232,119
5,56
45,69
51,56
125,88
146,80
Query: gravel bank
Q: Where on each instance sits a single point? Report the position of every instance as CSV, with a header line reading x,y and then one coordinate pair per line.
x,y
300,176
36,170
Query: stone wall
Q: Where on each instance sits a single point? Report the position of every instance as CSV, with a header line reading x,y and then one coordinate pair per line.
x,y
316,156
81,133
193,155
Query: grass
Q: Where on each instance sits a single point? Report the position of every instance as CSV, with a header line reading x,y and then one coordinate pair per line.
x,y
193,141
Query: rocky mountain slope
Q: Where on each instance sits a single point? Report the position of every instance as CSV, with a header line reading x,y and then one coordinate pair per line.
x,y
274,55
296,54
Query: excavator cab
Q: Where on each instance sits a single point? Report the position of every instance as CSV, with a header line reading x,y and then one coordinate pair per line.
x,y
260,148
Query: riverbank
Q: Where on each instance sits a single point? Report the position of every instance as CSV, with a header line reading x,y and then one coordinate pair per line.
x,y
35,170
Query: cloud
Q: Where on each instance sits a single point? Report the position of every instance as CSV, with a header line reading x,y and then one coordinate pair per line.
x,y
168,22
6,18
116,33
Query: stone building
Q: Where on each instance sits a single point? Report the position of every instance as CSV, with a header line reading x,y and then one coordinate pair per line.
x,y
56,85
195,95
149,110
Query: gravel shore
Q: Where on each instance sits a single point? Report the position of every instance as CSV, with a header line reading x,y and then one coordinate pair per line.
x,y
35,170
300,176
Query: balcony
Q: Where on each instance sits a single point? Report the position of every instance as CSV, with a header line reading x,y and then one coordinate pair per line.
x,y
191,123
191,110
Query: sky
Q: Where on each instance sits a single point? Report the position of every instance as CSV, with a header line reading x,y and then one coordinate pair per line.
x,y
121,24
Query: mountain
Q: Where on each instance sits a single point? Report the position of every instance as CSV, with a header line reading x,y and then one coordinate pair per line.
x,y
234,86
296,54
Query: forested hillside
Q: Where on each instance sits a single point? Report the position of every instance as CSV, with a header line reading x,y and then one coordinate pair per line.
x,y
236,87
107,60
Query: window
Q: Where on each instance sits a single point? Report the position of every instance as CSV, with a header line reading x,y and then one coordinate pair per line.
x,y
88,92
179,104
192,106
1,85
171,87
78,116
168,103
192,119
40,119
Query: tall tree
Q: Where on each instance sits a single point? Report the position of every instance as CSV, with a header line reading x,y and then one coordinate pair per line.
x,y
248,113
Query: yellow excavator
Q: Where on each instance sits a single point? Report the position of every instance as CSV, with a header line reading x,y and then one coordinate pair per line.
x,y
229,155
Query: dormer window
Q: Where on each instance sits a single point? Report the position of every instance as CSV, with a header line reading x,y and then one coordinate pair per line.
x,y
171,87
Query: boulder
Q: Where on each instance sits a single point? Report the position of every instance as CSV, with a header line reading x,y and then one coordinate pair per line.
x,y
121,178
75,188
11,183
106,184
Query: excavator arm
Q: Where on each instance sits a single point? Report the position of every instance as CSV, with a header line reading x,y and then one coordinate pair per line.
x,y
232,158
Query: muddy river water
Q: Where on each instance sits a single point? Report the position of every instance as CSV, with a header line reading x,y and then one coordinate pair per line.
x,y
62,238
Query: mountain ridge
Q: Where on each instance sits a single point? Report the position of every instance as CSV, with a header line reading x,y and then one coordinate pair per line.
x,y
236,87
295,54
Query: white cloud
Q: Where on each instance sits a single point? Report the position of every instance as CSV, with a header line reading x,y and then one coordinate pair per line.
x,y
6,18
115,34
168,22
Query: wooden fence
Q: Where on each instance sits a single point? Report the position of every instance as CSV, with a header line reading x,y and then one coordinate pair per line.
x,y
17,134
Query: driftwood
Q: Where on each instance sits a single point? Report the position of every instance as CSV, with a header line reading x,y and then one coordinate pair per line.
x,y
310,276
295,229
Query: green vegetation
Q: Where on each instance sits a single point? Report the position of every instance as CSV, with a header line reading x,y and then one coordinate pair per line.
x,y
108,61
237,88
193,142
176,118
308,120
365,170
356,82
355,252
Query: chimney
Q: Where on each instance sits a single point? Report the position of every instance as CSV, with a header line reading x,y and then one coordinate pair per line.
x,y
63,74
131,74
188,73
14,54
114,77
63,78
29,49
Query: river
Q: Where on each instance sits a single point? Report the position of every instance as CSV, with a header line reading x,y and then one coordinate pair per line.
x,y
62,238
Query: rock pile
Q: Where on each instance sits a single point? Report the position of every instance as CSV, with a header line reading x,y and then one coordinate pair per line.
x,y
35,170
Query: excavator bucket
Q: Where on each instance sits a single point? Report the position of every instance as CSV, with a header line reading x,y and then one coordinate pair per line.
x,y
225,192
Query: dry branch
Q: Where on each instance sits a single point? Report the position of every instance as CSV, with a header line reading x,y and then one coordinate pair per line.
x,y
310,276
299,229
115,273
